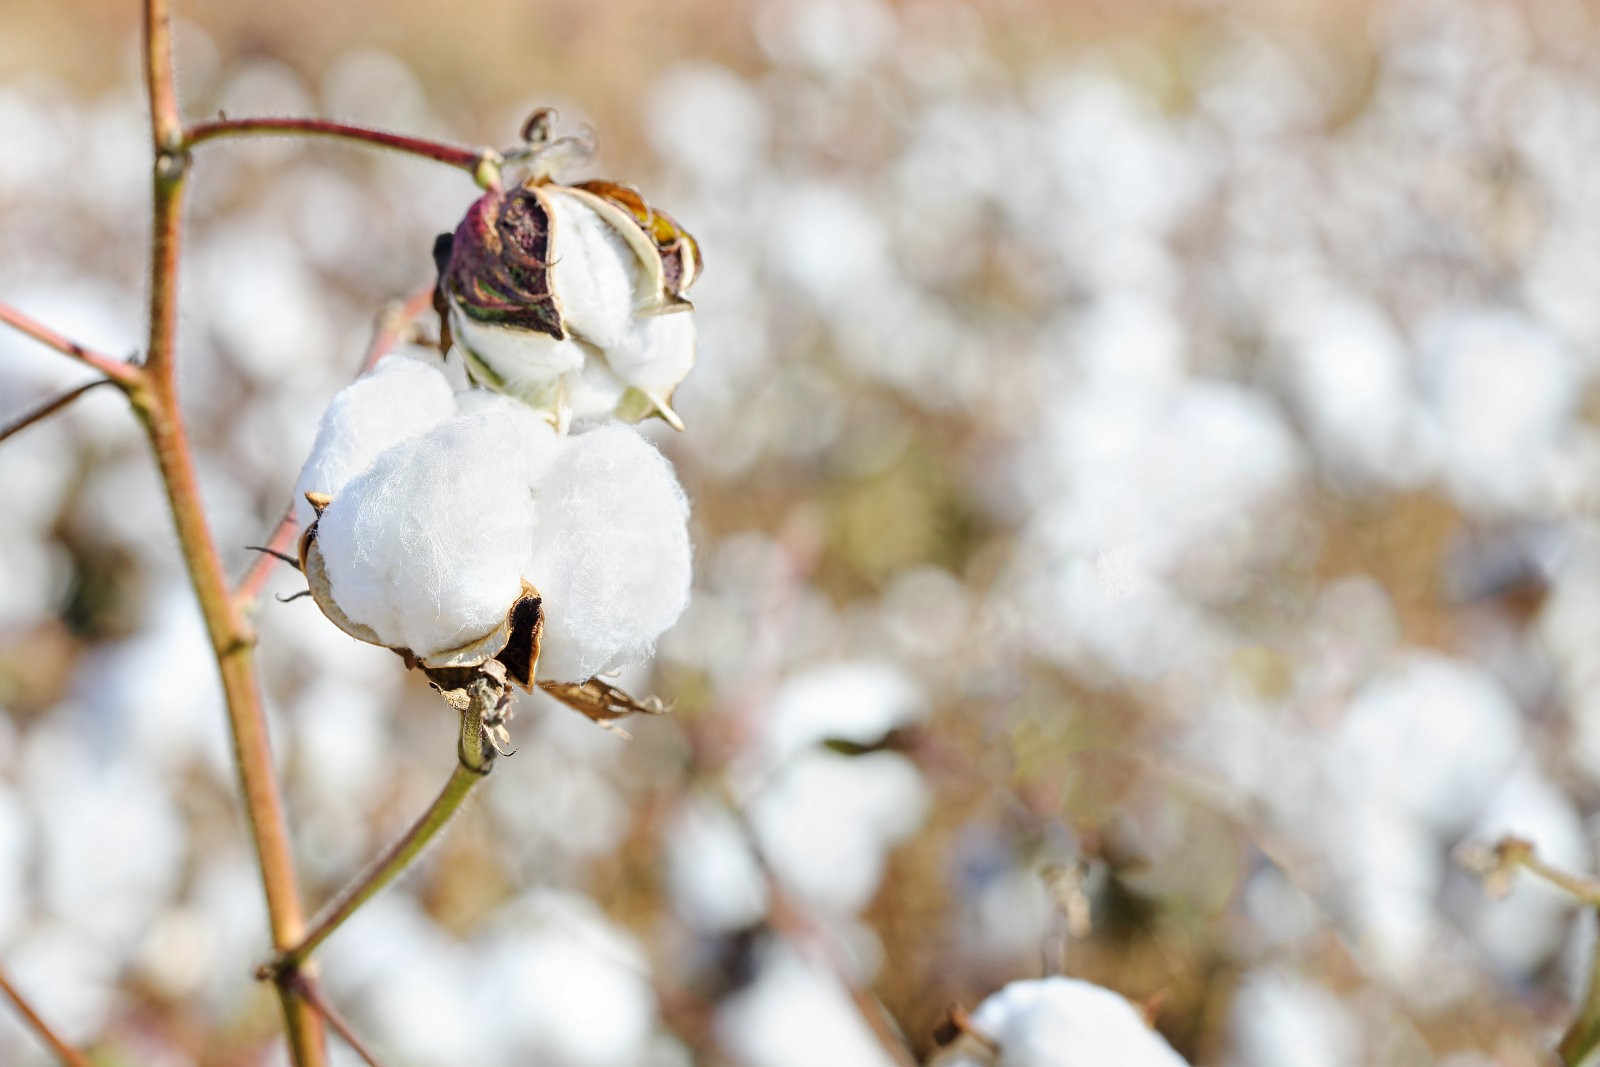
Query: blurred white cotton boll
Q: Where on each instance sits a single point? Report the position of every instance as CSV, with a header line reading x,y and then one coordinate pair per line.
x,y
1503,393
1279,1019
1065,1022
573,989
834,38
610,553
852,700
59,966
110,838
1348,375
1430,737
1521,930
426,547
796,1014
715,879
826,823
707,120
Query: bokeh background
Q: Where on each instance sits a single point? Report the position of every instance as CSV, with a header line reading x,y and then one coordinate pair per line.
x,y
1144,461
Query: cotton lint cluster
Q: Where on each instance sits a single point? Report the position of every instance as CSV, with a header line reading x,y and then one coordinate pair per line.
x,y
443,506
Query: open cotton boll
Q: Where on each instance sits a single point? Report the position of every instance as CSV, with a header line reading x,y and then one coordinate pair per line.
x,y
610,553
1064,1022
397,399
595,271
426,547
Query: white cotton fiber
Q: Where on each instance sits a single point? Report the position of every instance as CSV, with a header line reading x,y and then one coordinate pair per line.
x,y
595,274
426,547
610,553
1068,1023
1064,1022
397,399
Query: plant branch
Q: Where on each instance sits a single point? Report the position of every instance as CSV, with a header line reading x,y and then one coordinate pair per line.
x,y
48,407
307,988
155,398
69,1056
481,163
127,375
475,759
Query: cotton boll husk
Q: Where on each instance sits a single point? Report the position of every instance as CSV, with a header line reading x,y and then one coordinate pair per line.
x,y
610,553
1065,1022
426,547
399,398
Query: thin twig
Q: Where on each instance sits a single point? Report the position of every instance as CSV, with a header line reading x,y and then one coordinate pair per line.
x,y
475,759
69,1056
123,373
478,162
308,988
155,399
48,407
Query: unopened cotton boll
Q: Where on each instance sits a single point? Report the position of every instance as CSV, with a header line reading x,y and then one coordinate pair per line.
x,y
570,298
1065,1022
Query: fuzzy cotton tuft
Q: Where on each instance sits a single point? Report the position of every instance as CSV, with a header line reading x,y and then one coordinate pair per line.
x,y
427,544
610,554
1064,1022
426,547
397,399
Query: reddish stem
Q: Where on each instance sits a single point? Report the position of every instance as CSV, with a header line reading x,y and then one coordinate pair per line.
x,y
124,374
69,1056
467,159
155,399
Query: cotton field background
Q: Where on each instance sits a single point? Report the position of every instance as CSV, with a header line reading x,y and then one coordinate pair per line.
x,y
1143,466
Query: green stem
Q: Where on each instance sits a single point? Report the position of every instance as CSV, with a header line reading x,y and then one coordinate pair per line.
x,y
475,760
